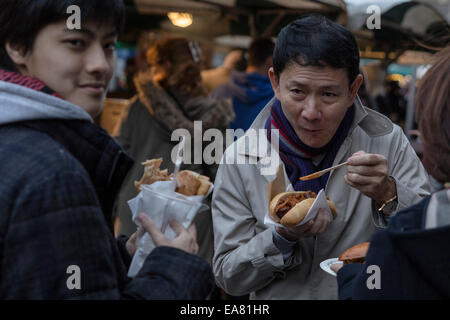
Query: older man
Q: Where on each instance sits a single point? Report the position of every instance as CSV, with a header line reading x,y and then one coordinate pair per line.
x,y
321,121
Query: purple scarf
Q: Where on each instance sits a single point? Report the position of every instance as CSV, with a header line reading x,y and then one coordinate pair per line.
x,y
296,155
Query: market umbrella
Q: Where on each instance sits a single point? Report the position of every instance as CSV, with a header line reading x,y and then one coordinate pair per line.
x,y
239,17
405,26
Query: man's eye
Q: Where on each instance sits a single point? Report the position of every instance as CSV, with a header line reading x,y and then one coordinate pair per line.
x,y
76,43
296,91
330,94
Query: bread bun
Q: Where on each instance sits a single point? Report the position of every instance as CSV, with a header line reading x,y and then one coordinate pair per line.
x,y
355,254
191,183
152,173
290,208
297,213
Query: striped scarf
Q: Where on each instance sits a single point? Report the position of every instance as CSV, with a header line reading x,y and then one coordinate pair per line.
x,y
25,81
297,156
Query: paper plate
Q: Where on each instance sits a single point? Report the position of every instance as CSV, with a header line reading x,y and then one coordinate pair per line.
x,y
325,265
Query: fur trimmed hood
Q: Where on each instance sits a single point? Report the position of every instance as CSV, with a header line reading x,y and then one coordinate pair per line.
x,y
175,110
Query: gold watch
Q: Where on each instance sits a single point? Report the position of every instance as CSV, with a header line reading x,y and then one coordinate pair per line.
x,y
389,205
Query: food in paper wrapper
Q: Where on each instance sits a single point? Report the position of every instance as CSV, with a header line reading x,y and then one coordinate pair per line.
x,y
164,199
290,208
190,183
152,173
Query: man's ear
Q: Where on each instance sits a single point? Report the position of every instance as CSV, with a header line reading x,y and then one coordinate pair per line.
x,y
17,55
355,87
275,82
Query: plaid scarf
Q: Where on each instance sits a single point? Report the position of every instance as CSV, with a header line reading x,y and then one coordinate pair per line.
x,y
297,156
26,81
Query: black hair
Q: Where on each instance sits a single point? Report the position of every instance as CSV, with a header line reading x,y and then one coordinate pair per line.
x,y
22,20
260,49
314,40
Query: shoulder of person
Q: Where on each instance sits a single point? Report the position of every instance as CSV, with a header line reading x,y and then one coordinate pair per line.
x,y
38,158
410,218
376,124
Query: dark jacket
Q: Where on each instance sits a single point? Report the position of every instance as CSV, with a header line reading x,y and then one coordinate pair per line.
x,y
59,180
250,92
414,263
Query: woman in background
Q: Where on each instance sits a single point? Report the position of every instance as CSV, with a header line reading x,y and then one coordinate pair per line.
x,y
170,95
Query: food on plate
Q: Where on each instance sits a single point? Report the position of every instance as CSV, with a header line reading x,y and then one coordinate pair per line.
x,y
190,183
290,208
355,254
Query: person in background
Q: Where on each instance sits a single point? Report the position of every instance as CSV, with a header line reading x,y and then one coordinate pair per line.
x,y
61,172
213,78
413,254
250,90
170,95
397,103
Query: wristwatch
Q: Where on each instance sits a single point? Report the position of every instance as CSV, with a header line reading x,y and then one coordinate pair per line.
x,y
389,206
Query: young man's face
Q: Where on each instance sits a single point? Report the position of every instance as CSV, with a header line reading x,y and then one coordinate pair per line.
x,y
77,64
314,100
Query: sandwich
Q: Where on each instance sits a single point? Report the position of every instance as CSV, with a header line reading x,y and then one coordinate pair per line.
x,y
189,183
290,208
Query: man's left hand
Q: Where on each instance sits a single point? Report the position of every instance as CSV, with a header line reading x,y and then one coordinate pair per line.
x,y
369,174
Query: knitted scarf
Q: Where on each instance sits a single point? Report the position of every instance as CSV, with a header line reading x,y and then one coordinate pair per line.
x,y
297,156
26,81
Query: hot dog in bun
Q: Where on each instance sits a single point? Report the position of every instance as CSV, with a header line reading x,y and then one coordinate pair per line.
x,y
290,208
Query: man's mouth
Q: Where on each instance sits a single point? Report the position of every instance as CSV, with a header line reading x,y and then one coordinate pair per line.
x,y
95,88
312,131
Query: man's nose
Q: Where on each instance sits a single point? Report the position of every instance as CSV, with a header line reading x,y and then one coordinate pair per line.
x,y
310,109
97,61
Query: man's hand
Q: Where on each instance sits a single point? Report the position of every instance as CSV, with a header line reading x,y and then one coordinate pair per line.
x,y
336,266
131,244
313,227
369,174
186,239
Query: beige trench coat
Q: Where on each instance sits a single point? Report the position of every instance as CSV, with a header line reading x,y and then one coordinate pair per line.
x,y
246,259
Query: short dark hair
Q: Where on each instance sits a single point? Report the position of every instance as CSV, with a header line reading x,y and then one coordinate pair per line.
x,y
314,40
22,20
260,49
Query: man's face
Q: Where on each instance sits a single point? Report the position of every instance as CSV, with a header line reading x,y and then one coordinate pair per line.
x,y
314,100
77,64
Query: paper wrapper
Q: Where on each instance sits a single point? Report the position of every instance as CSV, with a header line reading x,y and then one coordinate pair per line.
x,y
162,204
278,185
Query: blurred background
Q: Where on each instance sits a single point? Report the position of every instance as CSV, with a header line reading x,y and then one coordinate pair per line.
x,y
396,39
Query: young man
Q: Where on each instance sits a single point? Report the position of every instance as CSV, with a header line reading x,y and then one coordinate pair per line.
x,y
321,123
60,172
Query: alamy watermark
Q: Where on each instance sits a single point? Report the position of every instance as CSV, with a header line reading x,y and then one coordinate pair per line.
x,y
374,20
374,281
73,22
208,147
74,280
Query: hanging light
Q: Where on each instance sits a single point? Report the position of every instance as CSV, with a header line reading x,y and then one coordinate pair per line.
x,y
180,19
